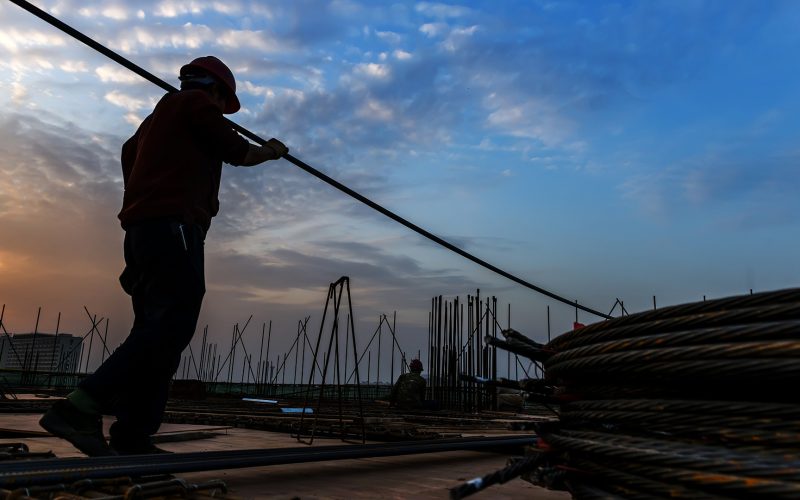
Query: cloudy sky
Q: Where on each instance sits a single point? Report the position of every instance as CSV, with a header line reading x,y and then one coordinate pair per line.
x,y
600,150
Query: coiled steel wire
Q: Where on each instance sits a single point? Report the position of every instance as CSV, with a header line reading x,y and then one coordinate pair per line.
x,y
691,401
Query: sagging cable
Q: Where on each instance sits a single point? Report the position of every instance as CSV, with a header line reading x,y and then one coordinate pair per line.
x,y
57,23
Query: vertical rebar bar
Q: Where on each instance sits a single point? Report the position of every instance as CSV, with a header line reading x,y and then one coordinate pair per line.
x,y
53,366
244,365
429,390
33,341
440,340
378,358
203,356
394,325
297,353
91,341
269,339
105,343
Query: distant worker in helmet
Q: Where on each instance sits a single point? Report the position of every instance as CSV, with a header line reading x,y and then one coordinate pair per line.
x,y
171,169
408,393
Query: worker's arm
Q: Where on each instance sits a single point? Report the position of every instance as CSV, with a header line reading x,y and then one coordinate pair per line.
x,y
272,150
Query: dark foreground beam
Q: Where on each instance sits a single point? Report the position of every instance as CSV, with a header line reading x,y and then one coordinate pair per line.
x,y
62,470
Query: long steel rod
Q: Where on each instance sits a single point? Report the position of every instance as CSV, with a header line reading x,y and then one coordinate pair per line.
x,y
39,472
57,23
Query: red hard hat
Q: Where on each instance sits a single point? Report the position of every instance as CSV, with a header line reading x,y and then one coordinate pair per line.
x,y
415,365
218,70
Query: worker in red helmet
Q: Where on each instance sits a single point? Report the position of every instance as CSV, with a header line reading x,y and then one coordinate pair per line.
x,y
171,169
408,393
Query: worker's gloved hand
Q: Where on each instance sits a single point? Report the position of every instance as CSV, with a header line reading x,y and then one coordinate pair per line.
x,y
277,146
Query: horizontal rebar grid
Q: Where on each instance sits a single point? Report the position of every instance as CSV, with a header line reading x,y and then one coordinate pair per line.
x,y
40,472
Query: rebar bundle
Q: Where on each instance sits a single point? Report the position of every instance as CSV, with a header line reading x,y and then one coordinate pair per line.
x,y
691,401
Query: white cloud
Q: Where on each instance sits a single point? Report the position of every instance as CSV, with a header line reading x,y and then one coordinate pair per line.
x,y
190,36
194,36
457,37
373,70
14,40
116,74
523,116
125,101
441,10
227,8
18,92
250,39
465,31
43,63
174,8
133,119
73,67
373,109
115,12
401,55
250,88
389,36
432,30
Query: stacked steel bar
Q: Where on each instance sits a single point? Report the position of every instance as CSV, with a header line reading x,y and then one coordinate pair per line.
x,y
691,401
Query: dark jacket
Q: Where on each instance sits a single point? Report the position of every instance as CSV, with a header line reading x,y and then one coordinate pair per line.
x,y
172,165
409,391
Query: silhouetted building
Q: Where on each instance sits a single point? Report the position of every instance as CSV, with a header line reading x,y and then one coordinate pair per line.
x,y
40,352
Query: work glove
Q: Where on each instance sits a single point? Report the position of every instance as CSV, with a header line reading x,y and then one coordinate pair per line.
x,y
277,146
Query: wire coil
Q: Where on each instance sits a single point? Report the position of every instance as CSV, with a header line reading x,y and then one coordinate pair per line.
x,y
691,401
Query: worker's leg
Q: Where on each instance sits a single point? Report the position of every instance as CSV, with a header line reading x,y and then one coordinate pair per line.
x,y
165,278
140,412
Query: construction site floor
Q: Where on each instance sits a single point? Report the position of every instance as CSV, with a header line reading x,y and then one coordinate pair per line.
x,y
428,476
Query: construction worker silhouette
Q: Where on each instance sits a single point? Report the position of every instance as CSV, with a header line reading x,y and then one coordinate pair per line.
x,y
171,167
408,393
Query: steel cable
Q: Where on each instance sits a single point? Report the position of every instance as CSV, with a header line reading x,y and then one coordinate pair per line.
x,y
615,329
772,331
631,485
681,483
746,409
701,425
755,302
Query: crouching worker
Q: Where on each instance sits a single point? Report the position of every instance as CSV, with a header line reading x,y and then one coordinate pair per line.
x,y
408,393
171,168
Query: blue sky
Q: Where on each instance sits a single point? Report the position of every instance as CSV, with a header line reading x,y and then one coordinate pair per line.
x,y
600,150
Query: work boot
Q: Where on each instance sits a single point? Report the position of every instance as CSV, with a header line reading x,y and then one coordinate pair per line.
x,y
83,430
135,447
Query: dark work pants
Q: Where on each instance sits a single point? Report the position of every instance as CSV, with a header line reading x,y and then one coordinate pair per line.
x,y
164,276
